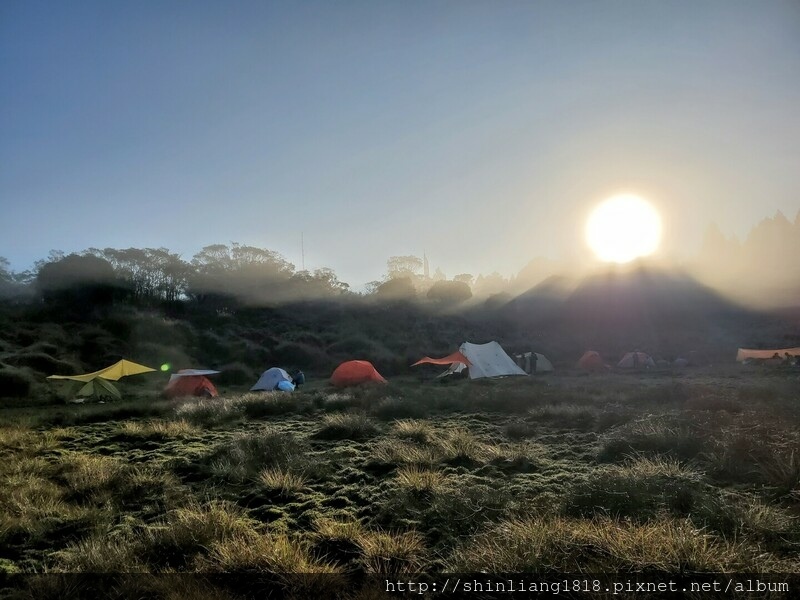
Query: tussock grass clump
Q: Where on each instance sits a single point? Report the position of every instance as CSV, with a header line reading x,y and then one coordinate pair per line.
x,y
31,506
157,430
247,454
103,481
337,539
392,553
652,436
255,405
91,477
461,446
338,529
603,545
100,553
398,452
208,412
420,432
275,553
639,490
347,426
759,454
191,529
519,457
284,482
421,481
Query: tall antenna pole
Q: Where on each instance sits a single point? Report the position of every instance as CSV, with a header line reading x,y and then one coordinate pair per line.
x,y
302,252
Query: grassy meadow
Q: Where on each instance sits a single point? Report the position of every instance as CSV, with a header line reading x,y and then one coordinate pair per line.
x,y
666,472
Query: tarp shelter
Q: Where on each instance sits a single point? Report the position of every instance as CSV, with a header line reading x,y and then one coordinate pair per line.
x,y
270,379
455,357
97,383
486,360
526,362
115,372
636,360
191,382
591,361
744,353
355,372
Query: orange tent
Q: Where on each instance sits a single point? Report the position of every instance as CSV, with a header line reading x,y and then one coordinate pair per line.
x,y
591,361
355,372
455,357
187,383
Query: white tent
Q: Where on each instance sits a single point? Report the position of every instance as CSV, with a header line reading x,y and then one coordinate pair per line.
x,y
486,360
636,360
543,364
270,379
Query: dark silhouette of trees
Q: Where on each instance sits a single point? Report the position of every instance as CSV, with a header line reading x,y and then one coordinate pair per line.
x,y
400,288
77,282
403,266
449,292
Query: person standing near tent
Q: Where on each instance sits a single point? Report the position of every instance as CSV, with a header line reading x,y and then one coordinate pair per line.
x,y
299,378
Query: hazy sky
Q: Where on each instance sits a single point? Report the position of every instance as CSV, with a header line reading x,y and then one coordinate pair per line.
x,y
479,132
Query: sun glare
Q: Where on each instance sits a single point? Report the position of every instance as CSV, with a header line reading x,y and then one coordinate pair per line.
x,y
623,228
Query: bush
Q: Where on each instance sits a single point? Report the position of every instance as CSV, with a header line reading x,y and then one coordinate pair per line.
x,y
301,355
235,374
14,383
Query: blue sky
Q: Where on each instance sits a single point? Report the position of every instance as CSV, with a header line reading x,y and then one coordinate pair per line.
x,y
479,132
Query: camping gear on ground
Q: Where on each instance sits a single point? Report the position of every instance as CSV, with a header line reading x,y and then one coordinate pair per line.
x,y
355,372
482,360
191,382
270,379
681,362
533,362
636,360
97,383
285,386
591,361
299,378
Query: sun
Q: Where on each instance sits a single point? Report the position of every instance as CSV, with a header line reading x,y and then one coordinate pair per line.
x,y
623,228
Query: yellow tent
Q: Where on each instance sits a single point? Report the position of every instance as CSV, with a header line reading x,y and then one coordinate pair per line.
x,y
116,371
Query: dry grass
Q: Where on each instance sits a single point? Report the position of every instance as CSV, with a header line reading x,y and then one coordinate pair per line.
x,y
347,426
282,481
392,553
421,481
158,430
417,431
604,545
100,553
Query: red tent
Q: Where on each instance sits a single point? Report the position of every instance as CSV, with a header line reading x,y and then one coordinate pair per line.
x,y
188,382
591,361
355,372
455,357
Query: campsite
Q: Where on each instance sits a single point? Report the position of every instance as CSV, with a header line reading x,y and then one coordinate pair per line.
x,y
593,462
310,300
